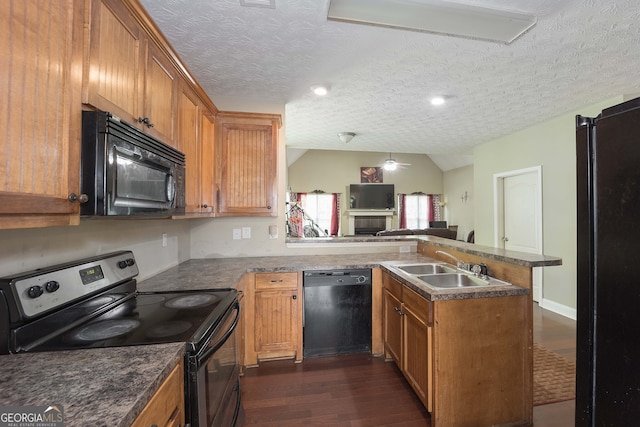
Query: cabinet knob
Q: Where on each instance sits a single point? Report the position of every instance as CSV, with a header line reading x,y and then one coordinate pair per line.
x,y
205,206
146,121
82,198
294,297
269,207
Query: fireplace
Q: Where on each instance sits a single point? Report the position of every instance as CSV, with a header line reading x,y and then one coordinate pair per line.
x,y
369,222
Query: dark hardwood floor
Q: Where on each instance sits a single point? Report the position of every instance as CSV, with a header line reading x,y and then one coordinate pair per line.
x,y
360,390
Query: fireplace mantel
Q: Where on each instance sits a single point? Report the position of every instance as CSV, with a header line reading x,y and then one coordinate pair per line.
x,y
353,213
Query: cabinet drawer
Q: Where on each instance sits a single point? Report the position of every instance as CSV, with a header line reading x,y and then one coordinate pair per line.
x,y
421,307
276,281
392,285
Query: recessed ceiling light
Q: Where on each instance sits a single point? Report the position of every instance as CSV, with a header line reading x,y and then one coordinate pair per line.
x,y
319,90
437,100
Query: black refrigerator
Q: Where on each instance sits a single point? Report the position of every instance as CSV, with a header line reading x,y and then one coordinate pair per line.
x,y
608,260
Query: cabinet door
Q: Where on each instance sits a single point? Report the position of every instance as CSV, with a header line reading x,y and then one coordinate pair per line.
x,y
114,77
166,407
40,117
161,85
392,328
417,338
247,167
276,326
189,116
207,164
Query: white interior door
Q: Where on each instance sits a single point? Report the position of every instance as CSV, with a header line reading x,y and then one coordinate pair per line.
x,y
519,216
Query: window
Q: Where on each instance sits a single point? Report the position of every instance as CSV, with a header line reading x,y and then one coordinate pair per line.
x,y
417,209
319,207
313,214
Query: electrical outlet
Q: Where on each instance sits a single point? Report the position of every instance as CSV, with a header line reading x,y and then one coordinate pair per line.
x,y
246,232
164,240
237,234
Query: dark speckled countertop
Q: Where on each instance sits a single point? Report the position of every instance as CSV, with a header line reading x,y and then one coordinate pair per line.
x,y
96,387
512,257
226,272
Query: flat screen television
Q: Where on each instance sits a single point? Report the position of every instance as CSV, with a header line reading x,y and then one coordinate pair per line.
x,y
371,196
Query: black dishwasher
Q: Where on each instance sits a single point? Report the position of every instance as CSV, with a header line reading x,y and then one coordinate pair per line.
x,y
337,311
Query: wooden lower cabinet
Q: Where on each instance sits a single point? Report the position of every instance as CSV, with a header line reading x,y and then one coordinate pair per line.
x,y
274,314
468,360
418,346
166,407
393,327
408,336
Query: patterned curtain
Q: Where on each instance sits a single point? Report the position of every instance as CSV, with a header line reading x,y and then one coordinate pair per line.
x,y
402,212
430,209
436,207
335,214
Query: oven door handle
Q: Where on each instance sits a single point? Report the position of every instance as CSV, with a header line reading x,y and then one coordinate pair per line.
x,y
212,349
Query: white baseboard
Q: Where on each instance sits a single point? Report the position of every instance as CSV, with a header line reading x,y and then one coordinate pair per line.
x,y
560,309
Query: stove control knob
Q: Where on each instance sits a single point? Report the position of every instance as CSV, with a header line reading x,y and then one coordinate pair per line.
x,y
122,264
130,262
52,286
35,291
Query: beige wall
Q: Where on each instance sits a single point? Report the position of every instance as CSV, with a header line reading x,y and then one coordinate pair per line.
x,y
333,171
551,145
459,211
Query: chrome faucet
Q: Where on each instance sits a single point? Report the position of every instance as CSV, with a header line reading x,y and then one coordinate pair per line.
x,y
459,262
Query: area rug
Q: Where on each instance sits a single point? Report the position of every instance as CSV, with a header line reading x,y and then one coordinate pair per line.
x,y
554,377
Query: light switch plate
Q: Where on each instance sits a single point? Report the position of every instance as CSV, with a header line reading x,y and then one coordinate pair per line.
x,y
273,231
237,234
246,232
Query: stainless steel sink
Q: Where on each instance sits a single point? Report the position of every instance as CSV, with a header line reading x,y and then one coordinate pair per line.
x,y
427,269
457,280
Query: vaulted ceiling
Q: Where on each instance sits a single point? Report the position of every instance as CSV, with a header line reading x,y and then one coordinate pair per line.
x,y
380,79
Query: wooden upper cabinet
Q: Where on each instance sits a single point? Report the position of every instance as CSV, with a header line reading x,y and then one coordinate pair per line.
x,y
114,78
189,119
128,74
161,83
40,75
247,164
207,194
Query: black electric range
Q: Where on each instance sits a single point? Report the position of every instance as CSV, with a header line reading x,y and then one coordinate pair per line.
x,y
93,302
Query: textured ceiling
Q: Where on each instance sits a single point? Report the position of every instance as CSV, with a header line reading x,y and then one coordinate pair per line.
x,y
580,52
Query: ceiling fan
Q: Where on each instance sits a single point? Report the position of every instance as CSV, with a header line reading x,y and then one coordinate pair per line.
x,y
392,164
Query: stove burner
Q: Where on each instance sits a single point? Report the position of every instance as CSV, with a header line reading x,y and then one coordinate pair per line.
x,y
105,329
168,329
148,299
190,301
100,301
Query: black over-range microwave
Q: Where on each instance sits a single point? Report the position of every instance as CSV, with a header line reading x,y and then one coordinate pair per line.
x,y
126,172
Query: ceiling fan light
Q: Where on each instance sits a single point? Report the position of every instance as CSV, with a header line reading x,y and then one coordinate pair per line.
x,y
390,165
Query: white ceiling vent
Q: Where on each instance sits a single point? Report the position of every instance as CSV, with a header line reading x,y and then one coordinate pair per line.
x,y
269,4
435,16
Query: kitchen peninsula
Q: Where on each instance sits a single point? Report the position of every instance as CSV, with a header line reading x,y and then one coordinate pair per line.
x,y
241,273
